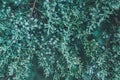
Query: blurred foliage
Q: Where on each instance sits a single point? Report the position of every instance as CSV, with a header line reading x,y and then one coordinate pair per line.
x,y
61,40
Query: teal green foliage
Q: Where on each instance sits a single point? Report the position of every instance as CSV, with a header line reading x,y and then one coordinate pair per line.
x,y
61,40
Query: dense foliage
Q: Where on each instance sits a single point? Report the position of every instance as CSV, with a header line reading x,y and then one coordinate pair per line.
x,y
59,40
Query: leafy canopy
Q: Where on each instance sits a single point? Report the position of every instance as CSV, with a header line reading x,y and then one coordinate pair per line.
x,y
60,39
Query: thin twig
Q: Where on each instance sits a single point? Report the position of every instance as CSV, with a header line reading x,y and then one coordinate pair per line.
x,y
33,7
94,74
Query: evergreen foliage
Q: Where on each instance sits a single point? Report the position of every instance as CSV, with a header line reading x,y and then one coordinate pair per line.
x,y
59,40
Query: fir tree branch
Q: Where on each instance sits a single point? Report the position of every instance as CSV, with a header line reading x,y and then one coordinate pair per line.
x,y
33,7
